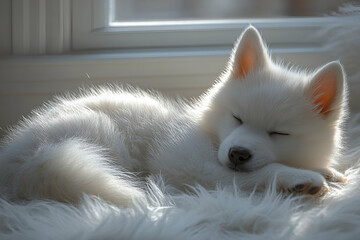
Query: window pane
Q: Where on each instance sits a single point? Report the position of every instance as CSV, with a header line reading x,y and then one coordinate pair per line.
x,y
180,10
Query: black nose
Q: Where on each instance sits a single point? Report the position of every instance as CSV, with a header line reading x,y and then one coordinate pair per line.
x,y
239,155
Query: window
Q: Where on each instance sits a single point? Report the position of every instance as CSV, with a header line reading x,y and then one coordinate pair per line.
x,y
109,24
140,12
182,52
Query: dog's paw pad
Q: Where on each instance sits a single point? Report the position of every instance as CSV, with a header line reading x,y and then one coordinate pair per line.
x,y
309,188
319,190
301,187
314,190
312,184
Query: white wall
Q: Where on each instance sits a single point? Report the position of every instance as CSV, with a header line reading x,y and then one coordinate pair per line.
x,y
5,27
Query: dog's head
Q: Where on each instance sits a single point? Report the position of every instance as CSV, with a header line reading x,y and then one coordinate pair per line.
x,y
261,112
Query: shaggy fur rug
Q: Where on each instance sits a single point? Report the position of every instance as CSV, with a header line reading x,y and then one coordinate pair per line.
x,y
221,214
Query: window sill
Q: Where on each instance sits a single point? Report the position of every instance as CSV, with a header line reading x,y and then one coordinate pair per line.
x,y
167,69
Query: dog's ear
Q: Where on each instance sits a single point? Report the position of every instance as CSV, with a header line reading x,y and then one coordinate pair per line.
x,y
249,53
326,88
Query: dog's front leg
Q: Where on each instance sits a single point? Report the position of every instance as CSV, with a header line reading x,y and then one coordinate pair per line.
x,y
288,179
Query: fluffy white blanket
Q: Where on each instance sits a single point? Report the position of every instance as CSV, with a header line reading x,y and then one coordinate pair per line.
x,y
221,214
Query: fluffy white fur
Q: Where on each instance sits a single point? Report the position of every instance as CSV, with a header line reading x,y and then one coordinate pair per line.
x,y
221,213
93,143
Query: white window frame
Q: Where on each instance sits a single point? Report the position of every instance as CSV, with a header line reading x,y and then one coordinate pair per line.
x,y
92,30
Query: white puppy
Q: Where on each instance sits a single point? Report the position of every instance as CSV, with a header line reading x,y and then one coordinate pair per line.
x,y
258,124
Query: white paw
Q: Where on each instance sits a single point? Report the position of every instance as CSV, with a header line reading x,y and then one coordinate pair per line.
x,y
331,175
303,182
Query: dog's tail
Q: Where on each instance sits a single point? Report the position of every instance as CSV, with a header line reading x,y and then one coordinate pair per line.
x,y
66,170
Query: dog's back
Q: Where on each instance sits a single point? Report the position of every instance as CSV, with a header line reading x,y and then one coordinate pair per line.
x,y
90,145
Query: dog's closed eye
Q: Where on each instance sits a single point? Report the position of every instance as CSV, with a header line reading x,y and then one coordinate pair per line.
x,y
238,119
274,133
